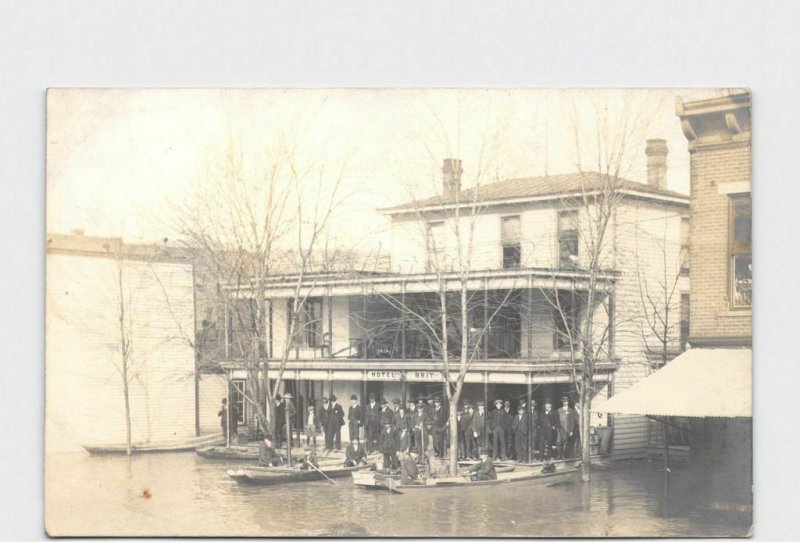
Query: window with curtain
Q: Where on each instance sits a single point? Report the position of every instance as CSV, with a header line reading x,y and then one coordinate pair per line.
x,y
740,251
511,239
568,238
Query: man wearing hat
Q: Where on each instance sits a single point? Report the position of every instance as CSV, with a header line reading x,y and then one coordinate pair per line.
x,y
520,430
333,425
280,420
549,431
311,427
478,426
386,417
535,429
467,430
324,412
267,456
461,428
419,426
290,412
439,427
409,473
508,421
373,415
496,430
355,418
566,427
388,447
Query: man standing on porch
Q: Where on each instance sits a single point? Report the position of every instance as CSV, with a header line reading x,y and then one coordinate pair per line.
x,y
335,422
373,416
355,418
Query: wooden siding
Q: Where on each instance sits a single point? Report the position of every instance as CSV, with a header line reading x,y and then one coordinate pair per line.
x,y
84,400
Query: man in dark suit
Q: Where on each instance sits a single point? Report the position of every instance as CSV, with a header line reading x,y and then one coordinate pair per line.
x,y
483,469
280,420
389,447
535,425
386,417
508,421
497,429
373,415
549,419
419,427
355,454
324,413
469,440
520,430
461,428
335,422
355,418
566,428
439,427
478,426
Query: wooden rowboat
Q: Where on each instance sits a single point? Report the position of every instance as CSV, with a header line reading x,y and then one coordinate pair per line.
x,y
183,445
231,453
372,480
252,474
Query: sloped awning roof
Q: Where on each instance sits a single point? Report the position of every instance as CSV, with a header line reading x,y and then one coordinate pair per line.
x,y
701,382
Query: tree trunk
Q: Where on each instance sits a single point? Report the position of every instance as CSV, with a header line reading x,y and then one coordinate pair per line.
x,y
452,456
586,403
126,395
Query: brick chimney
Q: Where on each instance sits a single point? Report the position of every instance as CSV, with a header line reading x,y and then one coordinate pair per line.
x,y
656,152
451,176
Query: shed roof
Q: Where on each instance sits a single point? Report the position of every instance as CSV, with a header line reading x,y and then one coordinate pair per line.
x,y
701,382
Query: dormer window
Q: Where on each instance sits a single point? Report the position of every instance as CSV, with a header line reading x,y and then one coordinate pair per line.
x,y
510,239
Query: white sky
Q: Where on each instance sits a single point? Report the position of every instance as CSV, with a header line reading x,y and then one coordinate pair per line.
x,y
116,159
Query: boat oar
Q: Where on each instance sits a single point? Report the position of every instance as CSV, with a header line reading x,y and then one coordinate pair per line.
x,y
322,473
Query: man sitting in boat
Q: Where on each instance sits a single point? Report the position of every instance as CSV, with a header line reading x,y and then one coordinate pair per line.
x,y
483,469
267,456
310,459
409,474
355,454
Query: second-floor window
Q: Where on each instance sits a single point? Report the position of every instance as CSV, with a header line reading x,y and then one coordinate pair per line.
x,y
510,239
568,238
566,317
684,254
740,251
435,244
308,331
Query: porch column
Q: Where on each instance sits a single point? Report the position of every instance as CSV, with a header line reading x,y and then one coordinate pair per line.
x,y
486,322
364,323
330,324
529,413
485,408
529,321
403,327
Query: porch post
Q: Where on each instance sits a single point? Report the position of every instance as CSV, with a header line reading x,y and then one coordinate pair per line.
x,y
364,322
486,322
403,327
529,322
485,408
528,405
330,325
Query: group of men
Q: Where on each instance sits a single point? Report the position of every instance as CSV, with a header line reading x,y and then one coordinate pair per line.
x,y
552,434
381,428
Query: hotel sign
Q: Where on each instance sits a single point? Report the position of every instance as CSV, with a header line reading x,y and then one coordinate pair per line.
x,y
424,376
392,376
398,376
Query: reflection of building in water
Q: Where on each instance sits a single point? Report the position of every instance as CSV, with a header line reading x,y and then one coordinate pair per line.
x,y
374,331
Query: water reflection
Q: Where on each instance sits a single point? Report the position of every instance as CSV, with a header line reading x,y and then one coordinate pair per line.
x,y
193,496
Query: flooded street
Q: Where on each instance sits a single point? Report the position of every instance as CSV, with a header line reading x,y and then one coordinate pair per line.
x,y
192,496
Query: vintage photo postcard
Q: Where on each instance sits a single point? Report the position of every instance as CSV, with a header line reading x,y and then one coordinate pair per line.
x,y
399,313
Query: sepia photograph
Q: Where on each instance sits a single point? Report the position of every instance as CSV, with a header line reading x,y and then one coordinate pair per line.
x,y
418,312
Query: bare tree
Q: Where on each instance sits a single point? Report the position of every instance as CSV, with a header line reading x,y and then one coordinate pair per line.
x,y
256,220
606,140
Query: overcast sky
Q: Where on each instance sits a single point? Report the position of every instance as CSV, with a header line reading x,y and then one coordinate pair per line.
x,y
117,160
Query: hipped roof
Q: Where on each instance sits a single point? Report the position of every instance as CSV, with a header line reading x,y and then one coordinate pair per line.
x,y
701,382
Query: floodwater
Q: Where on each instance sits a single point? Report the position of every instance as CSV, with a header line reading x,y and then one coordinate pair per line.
x,y
184,494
